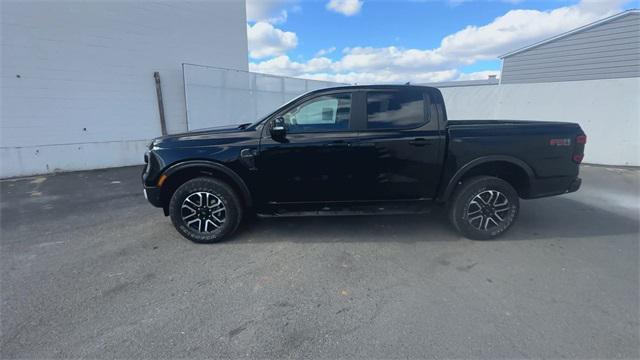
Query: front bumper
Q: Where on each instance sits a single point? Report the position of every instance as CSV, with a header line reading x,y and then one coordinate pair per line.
x,y
149,172
152,194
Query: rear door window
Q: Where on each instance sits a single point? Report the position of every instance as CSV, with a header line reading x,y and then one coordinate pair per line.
x,y
395,109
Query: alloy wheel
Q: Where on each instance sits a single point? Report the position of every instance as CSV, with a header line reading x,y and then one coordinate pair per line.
x,y
488,210
203,212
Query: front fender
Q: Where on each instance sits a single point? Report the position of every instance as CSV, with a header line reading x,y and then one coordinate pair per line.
x,y
214,167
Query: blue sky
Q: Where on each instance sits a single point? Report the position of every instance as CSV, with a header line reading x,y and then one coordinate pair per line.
x,y
412,40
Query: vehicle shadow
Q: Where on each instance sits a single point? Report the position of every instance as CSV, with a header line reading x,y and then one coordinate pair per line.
x,y
562,217
550,218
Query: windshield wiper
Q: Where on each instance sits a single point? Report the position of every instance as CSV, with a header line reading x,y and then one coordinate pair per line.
x,y
243,126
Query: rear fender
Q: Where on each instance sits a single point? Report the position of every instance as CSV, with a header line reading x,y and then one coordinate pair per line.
x,y
453,182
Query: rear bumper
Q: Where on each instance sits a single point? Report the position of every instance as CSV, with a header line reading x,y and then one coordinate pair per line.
x,y
553,186
575,185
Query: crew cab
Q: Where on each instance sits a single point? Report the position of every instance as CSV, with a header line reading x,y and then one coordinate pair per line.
x,y
361,150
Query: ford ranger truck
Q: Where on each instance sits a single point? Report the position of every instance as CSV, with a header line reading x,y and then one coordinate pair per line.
x,y
361,150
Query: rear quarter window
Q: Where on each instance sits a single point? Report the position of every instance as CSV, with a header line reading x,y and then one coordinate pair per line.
x,y
395,109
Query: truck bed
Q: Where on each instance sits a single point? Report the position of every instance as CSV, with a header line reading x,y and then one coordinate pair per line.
x,y
545,147
505,123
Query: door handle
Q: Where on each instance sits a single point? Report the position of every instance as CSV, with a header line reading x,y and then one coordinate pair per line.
x,y
364,145
338,143
419,142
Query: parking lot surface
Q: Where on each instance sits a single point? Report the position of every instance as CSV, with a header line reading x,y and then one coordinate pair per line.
x,y
89,269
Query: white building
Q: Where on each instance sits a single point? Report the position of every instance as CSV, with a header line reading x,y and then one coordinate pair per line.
x,y
590,75
605,49
78,88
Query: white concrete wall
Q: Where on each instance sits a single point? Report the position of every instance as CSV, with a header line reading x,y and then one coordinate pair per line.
x,y
217,97
607,110
77,86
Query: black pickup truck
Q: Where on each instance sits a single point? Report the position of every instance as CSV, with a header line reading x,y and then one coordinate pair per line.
x,y
361,150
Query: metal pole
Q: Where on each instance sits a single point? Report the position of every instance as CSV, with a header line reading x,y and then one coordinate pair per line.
x,y
186,102
163,124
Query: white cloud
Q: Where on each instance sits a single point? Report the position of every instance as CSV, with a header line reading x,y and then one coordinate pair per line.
x,y
279,18
381,77
510,31
267,10
266,40
478,75
327,51
518,28
365,65
283,65
322,68
345,7
390,58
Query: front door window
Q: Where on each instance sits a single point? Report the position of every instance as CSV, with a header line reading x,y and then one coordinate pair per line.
x,y
321,114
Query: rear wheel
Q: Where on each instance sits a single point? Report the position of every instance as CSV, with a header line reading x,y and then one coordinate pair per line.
x,y
483,207
205,210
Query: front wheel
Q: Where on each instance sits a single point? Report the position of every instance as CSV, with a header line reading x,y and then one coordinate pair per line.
x,y
205,210
483,207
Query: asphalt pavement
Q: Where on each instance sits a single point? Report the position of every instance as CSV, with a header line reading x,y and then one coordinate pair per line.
x,y
90,270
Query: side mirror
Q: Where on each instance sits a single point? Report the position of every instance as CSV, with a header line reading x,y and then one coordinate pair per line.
x,y
278,130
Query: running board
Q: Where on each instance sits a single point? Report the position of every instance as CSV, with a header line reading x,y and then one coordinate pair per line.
x,y
348,210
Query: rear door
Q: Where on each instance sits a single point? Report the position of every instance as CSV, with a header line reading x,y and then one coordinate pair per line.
x,y
400,145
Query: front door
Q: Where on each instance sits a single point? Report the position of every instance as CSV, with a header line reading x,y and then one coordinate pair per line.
x,y
313,161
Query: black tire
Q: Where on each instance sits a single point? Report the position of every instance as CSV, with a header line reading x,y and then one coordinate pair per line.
x,y
483,197
218,226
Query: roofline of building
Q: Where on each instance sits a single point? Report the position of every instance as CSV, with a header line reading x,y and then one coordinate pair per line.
x,y
459,83
570,32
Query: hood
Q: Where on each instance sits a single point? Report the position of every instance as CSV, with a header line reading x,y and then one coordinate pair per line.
x,y
203,137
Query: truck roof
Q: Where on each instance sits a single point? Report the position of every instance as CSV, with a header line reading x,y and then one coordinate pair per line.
x,y
381,86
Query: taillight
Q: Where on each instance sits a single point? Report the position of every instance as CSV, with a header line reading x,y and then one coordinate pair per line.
x,y
578,151
577,158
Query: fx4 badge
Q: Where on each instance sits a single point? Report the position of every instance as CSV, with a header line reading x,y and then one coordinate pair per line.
x,y
560,142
